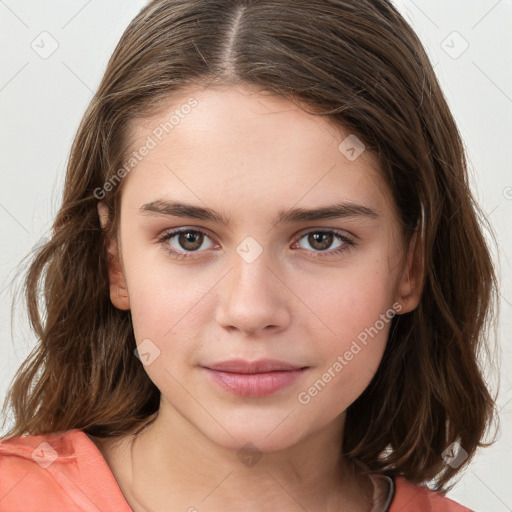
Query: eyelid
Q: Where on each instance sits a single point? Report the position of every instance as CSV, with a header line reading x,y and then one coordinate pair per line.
x,y
336,231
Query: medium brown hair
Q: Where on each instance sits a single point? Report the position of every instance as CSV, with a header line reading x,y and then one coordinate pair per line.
x,y
359,64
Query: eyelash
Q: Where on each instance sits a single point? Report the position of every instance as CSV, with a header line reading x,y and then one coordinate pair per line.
x,y
348,243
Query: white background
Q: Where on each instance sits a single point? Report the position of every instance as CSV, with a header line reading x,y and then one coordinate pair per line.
x,y
43,100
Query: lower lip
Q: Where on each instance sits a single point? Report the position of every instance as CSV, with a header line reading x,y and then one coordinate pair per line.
x,y
255,384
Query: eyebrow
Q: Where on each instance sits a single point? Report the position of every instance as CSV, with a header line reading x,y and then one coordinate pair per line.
x,y
334,211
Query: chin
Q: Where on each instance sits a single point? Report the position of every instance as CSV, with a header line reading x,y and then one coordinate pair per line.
x,y
266,434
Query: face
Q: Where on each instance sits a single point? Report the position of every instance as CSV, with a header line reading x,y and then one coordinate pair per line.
x,y
247,271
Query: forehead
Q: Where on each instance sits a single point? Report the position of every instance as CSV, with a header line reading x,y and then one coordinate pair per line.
x,y
250,146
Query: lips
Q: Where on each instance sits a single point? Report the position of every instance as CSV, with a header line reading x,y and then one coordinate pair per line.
x,y
256,378
261,366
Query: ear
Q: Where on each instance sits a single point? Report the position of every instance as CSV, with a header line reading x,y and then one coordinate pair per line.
x,y
410,285
118,289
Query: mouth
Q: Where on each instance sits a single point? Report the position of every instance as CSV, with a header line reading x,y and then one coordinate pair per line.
x,y
260,366
254,379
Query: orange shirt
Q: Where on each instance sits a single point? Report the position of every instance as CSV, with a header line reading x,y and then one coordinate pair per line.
x,y
65,472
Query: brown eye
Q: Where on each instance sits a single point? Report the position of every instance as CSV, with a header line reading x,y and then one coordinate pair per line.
x,y
190,240
320,241
184,242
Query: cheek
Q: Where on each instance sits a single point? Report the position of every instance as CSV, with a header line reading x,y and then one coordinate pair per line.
x,y
347,372
350,299
360,318
163,294
355,309
162,309
167,325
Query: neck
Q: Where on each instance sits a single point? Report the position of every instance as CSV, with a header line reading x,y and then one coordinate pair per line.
x,y
174,463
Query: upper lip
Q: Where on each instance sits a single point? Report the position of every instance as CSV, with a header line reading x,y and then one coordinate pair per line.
x,y
260,366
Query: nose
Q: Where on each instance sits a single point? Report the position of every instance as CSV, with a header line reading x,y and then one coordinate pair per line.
x,y
253,297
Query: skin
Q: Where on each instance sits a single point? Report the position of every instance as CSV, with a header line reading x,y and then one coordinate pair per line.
x,y
249,155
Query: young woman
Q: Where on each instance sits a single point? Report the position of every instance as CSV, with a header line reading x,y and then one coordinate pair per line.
x,y
267,284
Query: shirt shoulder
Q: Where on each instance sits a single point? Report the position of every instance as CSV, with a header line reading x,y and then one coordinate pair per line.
x,y
408,497
61,472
